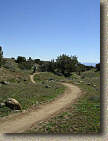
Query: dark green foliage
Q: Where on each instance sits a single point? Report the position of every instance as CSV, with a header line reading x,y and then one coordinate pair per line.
x,y
25,65
20,59
9,65
80,68
66,64
89,67
1,56
47,66
37,61
98,67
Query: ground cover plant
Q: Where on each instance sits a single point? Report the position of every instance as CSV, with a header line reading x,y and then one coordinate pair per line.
x,y
22,89
81,117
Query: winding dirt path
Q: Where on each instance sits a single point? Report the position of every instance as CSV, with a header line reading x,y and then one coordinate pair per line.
x,y
32,77
23,121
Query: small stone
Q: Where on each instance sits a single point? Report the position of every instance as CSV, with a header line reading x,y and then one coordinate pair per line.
x,y
50,79
81,81
2,105
47,86
88,83
4,82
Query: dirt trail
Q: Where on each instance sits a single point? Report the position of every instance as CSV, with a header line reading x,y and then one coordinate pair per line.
x,y
32,77
22,122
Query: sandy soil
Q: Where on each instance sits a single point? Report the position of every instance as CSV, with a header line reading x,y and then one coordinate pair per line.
x,y
23,121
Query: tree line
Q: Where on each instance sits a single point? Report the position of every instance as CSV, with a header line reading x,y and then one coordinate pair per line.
x,y
63,65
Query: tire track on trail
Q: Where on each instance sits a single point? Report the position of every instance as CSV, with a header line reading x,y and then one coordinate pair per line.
x,y
24,121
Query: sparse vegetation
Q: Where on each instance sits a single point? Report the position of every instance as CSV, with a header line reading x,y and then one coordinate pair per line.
x,y
24,91
81,117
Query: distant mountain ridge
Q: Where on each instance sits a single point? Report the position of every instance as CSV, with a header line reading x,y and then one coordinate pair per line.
x,y
90,64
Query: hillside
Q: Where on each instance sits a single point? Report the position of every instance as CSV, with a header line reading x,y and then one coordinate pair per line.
x,y
20,87
33,90
81,117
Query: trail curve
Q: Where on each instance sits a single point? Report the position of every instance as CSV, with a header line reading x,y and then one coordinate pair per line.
x,y
22,122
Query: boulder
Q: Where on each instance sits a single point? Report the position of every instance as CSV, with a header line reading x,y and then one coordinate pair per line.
x,y
13,104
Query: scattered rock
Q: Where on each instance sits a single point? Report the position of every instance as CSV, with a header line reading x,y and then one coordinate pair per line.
x,y
25,79
16,110
47,86
2,105
4,82
81,81
50,79
13,104
88,83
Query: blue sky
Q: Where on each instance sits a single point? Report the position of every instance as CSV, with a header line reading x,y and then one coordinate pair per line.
x,y
47,28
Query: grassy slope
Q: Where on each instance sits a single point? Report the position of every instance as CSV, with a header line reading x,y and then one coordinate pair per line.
x,y
81,117
24,91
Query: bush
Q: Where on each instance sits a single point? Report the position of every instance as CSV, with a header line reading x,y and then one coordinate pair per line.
x,y
25,65
20,59
66,64
10,65
98,67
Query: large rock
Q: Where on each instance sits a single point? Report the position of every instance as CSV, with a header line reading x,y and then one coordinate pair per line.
x,y
13,104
